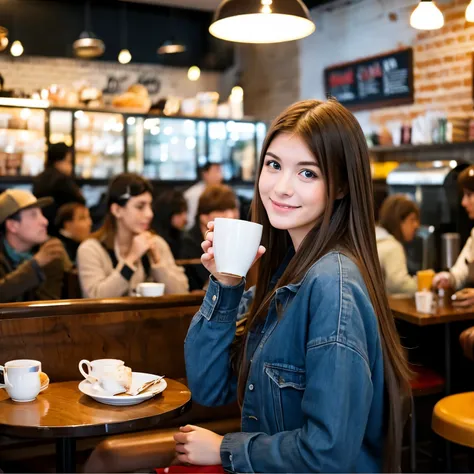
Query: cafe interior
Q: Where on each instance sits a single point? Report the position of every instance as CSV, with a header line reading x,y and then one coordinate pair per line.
x,y
175,97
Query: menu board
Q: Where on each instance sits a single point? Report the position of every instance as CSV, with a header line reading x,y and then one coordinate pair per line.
x,y
378,81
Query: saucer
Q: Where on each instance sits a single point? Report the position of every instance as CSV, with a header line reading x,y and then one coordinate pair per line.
x,y
138,379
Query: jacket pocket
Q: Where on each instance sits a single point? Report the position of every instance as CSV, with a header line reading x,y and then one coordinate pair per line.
x,y
287,385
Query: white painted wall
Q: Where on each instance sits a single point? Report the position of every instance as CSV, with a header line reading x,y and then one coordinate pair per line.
x,y
347,32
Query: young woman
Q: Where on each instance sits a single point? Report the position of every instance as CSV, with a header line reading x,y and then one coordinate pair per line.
x,y
170,218
123,252
319,370
399,220
462,273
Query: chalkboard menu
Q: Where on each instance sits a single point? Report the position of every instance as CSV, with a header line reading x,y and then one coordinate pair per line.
x,y
378,81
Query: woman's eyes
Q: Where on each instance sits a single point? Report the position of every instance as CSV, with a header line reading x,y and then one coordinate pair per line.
x,y
307,174
273,164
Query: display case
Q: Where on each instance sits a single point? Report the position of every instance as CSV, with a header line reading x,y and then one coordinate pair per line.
x,y
22,140
106,143
98,144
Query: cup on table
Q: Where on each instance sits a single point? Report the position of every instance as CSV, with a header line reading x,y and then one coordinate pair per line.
x,y
150,289
425,279
22,379
111,374
424,301
235,245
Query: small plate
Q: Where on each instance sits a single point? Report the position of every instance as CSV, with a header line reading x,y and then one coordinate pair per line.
x,y
138,379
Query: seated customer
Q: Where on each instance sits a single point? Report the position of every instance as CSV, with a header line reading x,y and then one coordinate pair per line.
x,y
170,217
56,181
216,201
28,273
398,222
74,224
123,252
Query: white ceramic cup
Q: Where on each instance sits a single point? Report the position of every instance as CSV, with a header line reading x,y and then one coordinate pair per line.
x,y
150,289
22,379
97,369
235,245
424,301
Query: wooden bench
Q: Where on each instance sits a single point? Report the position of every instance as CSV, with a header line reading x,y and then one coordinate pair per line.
x,y
147,333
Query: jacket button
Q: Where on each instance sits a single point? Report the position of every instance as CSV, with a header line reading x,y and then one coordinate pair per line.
x,y
214,298
251,387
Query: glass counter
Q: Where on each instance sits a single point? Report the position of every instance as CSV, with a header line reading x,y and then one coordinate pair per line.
x,y
22,141
99,144
234,145
163,148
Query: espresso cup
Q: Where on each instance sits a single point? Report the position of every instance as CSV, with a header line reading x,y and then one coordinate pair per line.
x,y
150,289
99,368
22,379
235,245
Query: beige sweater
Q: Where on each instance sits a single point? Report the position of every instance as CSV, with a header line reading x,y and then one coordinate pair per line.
x,y
99,279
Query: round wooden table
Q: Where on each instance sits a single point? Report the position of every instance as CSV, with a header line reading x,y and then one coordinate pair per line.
x,y
64,413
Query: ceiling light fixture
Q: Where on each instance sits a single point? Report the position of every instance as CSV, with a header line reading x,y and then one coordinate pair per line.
x,y
16,49
261,21
88,46
3,38
171,47
427,16
125,56
470,12
194,73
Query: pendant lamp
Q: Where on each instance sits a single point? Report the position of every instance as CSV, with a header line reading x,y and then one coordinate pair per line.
x,y
171,47
427,16
3,38
261,21
125,56
470,12
88,45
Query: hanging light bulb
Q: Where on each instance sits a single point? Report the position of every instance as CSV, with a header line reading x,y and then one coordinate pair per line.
x,y
261,21
427,16
470,12
124,56
16,49
194,73
237,94
3,38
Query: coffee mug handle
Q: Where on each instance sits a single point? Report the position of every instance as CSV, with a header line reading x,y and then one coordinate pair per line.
x,y
89,368
5,378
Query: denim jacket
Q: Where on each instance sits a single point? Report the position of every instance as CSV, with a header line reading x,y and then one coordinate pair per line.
x,y
314,394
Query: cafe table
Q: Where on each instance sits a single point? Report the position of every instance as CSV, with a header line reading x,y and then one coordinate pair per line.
x,y
405,309
64,413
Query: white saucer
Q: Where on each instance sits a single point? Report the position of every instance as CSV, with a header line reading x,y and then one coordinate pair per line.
x,y
138,379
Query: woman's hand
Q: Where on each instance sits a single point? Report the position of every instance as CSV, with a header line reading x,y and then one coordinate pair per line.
x,y
141,243
442,280
155,253
198,446
463,298
209,263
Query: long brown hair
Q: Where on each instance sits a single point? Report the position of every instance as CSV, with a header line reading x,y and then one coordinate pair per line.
x,y
395,209
120,190
335,138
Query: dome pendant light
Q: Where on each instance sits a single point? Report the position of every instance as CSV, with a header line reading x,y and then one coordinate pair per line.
x,y
427,16
3,38
261,21
470,12
171,47
88,46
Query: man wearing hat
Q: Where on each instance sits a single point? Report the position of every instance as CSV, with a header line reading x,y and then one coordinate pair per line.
x,y
26,274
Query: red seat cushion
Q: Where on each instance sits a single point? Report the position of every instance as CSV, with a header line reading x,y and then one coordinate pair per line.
x,y
426,380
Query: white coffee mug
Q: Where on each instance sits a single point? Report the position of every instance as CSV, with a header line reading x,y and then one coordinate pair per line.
x,y
235,245
99,368
150,289
22,379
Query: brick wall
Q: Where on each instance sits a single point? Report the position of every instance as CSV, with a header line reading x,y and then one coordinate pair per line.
x,y
32,73
442,58
442,69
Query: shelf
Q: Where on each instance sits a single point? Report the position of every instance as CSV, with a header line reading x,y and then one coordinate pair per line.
x,y
428,152
22,130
